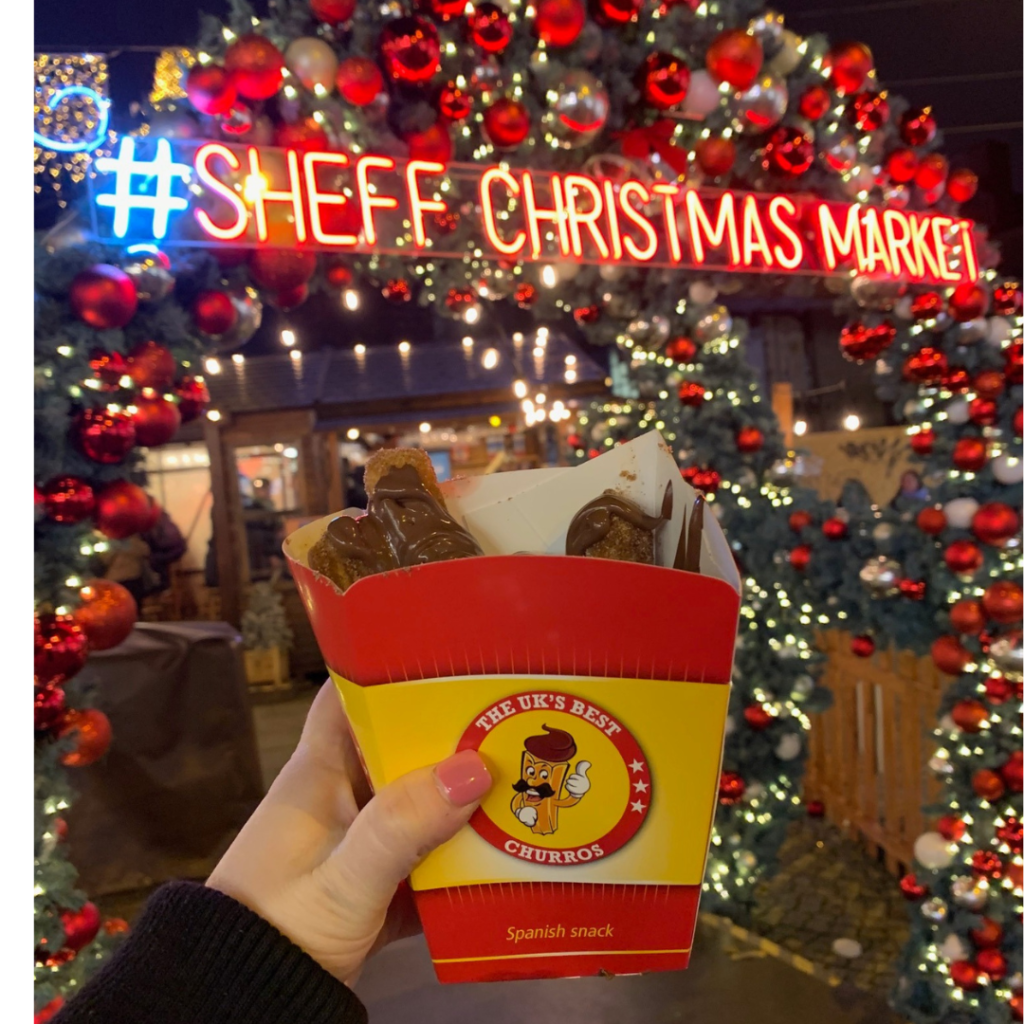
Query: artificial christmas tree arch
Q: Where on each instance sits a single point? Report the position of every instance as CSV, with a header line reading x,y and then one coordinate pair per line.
x,y
636,100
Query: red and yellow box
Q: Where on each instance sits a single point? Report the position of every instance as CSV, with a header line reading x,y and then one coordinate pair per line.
x,y
503,653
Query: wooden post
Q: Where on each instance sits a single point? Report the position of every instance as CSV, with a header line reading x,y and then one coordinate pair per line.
x,y
782,404
224,482
335,481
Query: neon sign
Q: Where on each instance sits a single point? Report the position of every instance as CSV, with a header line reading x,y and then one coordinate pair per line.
x,y
220,194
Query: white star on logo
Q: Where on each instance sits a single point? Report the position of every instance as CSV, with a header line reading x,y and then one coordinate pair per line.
x,y
640,787
637,806
637,766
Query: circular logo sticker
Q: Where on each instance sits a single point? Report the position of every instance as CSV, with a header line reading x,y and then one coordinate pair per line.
x,y
571,784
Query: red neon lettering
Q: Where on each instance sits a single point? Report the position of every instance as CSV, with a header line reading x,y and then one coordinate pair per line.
x,y
668,194
754,240
899,245
874,244
967,244
574,184
417,204
318,198
292,195
207,177
939,226
555,214
724,229
639,220
369,202
612,213
781,203
919,230
493,174
835,246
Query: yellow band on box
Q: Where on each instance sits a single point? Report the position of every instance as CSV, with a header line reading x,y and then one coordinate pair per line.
x,y
595,779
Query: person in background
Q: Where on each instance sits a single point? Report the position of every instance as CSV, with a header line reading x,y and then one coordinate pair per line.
x,y
911,489
142,565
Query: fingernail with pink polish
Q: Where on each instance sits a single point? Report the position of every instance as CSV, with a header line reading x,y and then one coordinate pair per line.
x,y
463,778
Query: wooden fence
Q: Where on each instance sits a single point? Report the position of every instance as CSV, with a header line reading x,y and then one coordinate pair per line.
x,y
869,751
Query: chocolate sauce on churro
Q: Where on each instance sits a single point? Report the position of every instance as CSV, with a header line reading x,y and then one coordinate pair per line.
x,y
592,523
688,548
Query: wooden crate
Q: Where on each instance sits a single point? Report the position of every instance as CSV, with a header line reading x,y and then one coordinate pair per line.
x,y
267,668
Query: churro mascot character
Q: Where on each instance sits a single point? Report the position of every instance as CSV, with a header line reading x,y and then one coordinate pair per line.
x,y
542,777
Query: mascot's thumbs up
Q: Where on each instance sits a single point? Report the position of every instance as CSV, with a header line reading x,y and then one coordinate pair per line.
x,y
577,784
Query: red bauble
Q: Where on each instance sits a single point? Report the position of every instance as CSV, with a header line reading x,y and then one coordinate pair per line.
x,y
214,312
116,926
997,690
49,707
156,420
847,66
289,298
731,788
49,1011
961,184
963,556
664,79
107,613
303,136
858,342
397,291
1018,421
433,143
923,441
91,731
617,12
749,439
1002,602
506,123
834,529
1014,368
104,436
332,12
926,305
453,103
931,171
1011,832
338,273
970,454
681,350
968,302
1007,299
359,81
559,22
815,809
691,393
715,155
256,66
986,864
965,975
123,509
525,295
735,57
949,655
108,368
799,520
931,521
968,714
757,717
815,102
1012,772
995,522
950,827
210,89
991,962
989,384
982,412
67,499
490,28
150,365
987,784
966,616
988,934
61,648
80,926
914,590
706,480
868,111
104,297
587,314
862,646
788,151
901,165
800,557
912,889
917,126
458,299
926,366
956,379
280,270
193,398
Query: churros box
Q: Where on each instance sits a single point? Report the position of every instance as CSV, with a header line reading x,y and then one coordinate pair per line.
x,y
595,689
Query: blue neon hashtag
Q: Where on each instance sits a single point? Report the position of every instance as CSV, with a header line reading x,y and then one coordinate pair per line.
x,y
125,167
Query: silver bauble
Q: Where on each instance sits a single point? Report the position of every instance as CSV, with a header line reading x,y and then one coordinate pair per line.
x,y
881,576
803,685
952,948
713,325
747,860
250,315
882,532
649,334
237,123
702,293
1015,982
789,56
860,178
150,270
903,309
579,110
313,62
702,97
486,77
1008,469
971,893
768,27
1007,655
998,332
870,293
934,910
971,331
837,151
896,196
762,106
958,411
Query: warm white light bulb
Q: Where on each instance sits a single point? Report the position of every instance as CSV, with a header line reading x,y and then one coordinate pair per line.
x,y
212,365
800,428
404,347
490,359
424,428
851,421
548,277
350,297
360,349
352,433
287,338
519,389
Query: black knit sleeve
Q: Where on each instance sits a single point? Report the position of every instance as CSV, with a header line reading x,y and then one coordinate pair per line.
x,y
197,956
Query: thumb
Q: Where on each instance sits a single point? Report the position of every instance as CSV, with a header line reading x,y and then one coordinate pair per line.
x,y
402,824
582,767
